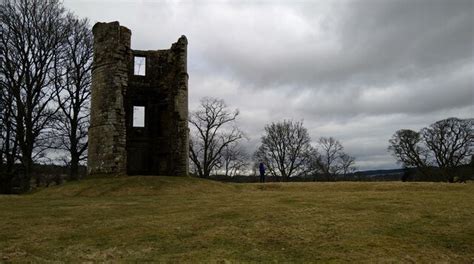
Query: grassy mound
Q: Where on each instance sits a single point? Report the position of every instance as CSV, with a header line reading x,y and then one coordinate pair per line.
x,y
180,219
133,186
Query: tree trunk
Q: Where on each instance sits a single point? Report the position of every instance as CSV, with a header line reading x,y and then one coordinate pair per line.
x,y
74,168
5,182
448,172
26,175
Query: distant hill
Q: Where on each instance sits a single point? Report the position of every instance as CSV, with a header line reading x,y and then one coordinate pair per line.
x,y
381,175
412,174
380,172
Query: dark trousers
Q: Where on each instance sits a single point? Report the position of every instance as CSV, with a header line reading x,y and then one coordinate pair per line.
x,y
262,176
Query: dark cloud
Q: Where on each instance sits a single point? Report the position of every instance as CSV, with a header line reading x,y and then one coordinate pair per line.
x,y
364,41
355,70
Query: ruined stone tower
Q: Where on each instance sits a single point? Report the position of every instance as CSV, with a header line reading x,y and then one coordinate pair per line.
x,y
139,106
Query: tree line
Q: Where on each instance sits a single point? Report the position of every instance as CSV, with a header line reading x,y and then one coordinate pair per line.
x,y
437,152
45,76
286,148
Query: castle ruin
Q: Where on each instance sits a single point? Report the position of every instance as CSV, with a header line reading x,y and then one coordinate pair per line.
x,y
139,106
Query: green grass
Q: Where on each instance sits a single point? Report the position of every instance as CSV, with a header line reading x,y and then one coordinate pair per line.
x,y
177,219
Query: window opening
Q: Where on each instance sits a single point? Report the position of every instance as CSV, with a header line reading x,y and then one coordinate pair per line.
x,y
139,65
138,116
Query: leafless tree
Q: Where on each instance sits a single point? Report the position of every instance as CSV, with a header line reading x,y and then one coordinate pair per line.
x,y
8,141
330,149
451,142
446,144
347,164
31,33
72,93
407,147
213,126
333,160
285,149
313,167
234,159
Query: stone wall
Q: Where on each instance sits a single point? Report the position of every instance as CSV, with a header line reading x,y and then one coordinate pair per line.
x,y
115,146
107,132
180,107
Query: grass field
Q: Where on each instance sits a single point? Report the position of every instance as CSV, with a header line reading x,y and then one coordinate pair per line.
x,y
191,220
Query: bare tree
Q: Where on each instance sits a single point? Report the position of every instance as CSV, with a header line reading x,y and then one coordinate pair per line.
x,y
330,149
451,142
407,147
313,167
285,149
8,141
234,159
446,144
31,33
347,164
214,129
72,93
333,160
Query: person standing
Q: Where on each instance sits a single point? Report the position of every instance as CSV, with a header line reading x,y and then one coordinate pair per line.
x,y
262,172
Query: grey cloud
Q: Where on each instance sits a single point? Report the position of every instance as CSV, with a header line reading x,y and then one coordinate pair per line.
x,y
371,41
443,90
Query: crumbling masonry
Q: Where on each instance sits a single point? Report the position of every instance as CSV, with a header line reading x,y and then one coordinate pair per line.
x,y
119,143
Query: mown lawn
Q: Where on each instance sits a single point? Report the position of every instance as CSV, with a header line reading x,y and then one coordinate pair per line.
x,y
179,219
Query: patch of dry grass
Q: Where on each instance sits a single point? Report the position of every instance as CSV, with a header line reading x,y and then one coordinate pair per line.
x,y
191,220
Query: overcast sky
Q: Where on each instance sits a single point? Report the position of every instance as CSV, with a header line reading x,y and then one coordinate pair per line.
x,y
354,70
